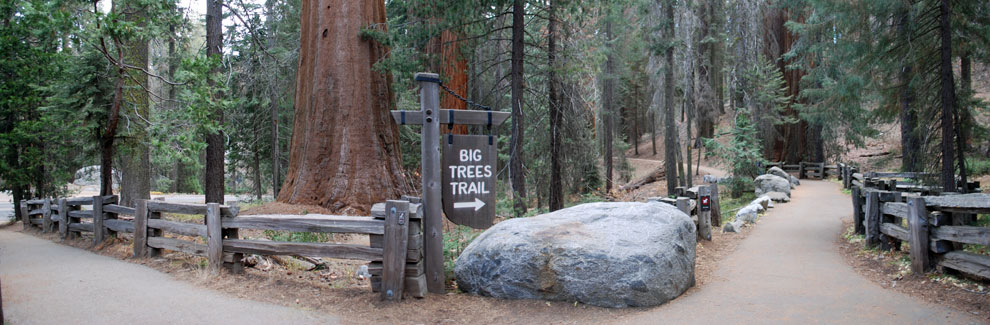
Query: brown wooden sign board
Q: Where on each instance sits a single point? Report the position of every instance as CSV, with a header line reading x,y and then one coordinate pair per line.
x,y
469,168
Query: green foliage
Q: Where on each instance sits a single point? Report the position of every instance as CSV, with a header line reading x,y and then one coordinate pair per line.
x,y
454,242
743,154
729,205
977,166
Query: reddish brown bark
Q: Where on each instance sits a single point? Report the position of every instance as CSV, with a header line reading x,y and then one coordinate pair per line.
x,y
344,153
453,68
791,146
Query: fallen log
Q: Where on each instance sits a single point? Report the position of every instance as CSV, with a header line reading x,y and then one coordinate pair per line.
x,y
655,175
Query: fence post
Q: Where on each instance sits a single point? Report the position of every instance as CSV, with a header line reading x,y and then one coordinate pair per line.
x,y
801,173
214,237
872,219
858,210
704,217
396,241
888,242
110,216
63,219
429,100
141,228
918,222
846,177
684,206
46,216
716,208
99,233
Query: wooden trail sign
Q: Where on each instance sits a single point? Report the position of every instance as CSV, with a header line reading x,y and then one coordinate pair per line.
x,y
469,180
430,116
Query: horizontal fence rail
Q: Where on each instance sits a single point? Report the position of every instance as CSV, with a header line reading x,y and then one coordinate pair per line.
x,y
893,208
394,228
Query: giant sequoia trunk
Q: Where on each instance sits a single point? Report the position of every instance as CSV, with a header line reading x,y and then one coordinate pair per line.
x,y
344,153
793,143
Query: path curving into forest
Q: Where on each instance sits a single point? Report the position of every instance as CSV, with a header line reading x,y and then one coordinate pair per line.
x,y
47,283
789,270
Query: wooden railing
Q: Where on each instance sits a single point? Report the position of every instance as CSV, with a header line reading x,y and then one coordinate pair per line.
x,y
394,230
687,201
936,225
807,169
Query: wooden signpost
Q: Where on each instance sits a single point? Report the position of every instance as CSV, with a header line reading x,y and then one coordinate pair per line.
x,y
430,116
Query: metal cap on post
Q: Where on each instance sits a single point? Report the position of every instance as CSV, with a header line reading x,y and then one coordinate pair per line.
x,y
429,100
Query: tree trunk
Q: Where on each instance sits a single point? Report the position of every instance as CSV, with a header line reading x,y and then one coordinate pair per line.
x,y
653,131
516,173
109,135
948,94
276,147
257,168
608,87
556,183
910,142
670,147
134,156
215,141
344,153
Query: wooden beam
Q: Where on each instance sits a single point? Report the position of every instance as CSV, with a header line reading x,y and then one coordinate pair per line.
x,y
896,209
969,263
214,237
429,97
415,210
141,228
63,225
396,241
964,203
187,208
81,214
342,251
872,219
80,227
308,223
857,201
119,209
182,228
46,216
962,234
99,232
918,223
119,225
463,117
177,245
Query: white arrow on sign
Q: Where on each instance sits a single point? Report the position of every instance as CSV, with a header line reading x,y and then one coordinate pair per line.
x,y
477,204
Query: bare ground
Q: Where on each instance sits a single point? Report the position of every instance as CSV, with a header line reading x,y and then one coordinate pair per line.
x,y
891,270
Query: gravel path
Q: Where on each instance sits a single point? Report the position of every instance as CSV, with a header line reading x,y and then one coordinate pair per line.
x,y
48,283
789,271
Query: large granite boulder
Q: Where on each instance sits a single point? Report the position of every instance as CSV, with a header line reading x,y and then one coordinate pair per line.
x,y
603,254
772,183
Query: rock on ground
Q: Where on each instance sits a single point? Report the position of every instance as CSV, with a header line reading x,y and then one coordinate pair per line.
x,y
795,181
603,254
776,171
749,213
779,197
772,183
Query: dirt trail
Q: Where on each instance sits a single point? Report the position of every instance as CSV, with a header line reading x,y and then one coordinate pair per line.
x,y
789,270
48,283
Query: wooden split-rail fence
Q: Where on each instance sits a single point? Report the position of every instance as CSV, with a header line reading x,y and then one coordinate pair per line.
x,y
394,229
894,208
807,170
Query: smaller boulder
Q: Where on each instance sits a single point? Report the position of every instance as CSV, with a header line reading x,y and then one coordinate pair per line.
x,y
772,183
795,181
763,201
735,226
776,171
748,214
779,197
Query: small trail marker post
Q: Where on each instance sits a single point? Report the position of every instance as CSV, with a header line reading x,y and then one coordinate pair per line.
x,y
430,116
